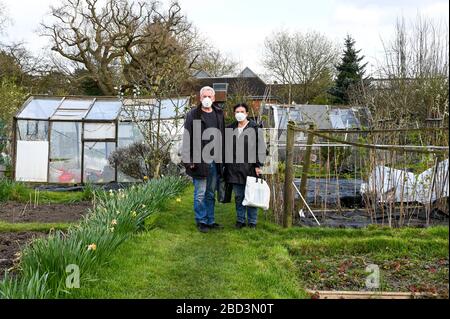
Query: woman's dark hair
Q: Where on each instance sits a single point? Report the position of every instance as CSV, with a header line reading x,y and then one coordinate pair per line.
x,y
240,105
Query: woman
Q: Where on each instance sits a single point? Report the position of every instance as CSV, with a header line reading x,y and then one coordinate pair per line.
x,y
245,163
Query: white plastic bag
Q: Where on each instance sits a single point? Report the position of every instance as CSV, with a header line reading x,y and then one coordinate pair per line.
x,y
257,193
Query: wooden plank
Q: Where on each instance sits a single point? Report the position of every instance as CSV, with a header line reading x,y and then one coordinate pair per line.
x,y
336,294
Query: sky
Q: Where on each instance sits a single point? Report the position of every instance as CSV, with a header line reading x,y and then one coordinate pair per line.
x,y
239,27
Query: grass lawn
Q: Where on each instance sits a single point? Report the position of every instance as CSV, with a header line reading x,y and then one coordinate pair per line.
x,y
171,259
38,227
20,192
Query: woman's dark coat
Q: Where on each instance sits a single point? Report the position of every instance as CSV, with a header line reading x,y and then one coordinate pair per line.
x,y
236,173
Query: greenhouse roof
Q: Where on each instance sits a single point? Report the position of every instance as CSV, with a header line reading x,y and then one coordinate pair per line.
x,y
76,108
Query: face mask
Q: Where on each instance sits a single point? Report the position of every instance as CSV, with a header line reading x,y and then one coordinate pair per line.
x,y
207,102
240,117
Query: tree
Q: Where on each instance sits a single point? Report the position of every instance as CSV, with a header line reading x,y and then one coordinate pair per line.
x,y
122,42
350,72
9,68
11,98
301,62
215,63
411,82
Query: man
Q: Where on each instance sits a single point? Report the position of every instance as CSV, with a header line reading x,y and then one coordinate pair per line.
x,y
204,129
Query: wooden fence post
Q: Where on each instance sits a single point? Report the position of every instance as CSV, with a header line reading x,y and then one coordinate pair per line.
x,y
289,176
305,167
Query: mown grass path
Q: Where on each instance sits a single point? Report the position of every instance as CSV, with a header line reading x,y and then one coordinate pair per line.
x,y
171,259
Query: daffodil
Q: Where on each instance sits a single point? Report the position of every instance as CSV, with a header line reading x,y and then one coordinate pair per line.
x,y
143,206
178,200
145,178
92,247
111,229
133,214
114,222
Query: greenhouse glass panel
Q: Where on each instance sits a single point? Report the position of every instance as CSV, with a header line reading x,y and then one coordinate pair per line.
x,y
349,119
72,110
99,131
70,104
282,118
172,108
40,108
30,130
295,115
151,109
65,153
96,165
104,110
129,133
336,120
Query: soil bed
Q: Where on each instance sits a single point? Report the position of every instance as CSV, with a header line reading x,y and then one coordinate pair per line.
x,y
358,218
15,212
11,244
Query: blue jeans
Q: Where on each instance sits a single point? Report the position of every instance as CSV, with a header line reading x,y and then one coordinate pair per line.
x,y
204,196
241,210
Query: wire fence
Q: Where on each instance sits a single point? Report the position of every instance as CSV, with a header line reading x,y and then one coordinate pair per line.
x,y
393,177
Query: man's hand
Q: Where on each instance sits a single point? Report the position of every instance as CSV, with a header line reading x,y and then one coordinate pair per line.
x,y
258,171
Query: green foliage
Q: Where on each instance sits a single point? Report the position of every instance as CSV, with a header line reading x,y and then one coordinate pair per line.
x,y
34,288
17,191
11,98
33,227
113,219
350,72
10,190
338,157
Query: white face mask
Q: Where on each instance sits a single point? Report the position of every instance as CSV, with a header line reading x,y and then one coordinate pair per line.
x,y
207,102
240,117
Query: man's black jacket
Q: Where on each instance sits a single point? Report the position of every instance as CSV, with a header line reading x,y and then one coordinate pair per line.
x,y
200,170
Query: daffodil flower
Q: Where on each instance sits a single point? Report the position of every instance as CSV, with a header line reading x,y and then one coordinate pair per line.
x,y
114,222
92,246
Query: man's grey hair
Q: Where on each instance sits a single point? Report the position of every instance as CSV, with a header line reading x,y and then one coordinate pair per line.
x,y
207,88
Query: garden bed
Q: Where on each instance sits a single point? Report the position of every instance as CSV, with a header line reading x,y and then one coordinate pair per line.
x,y
16,212
11,244
359,218
428,276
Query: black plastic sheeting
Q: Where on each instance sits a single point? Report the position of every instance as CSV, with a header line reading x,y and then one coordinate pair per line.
x,y
351,201
360,219
323,190
78,188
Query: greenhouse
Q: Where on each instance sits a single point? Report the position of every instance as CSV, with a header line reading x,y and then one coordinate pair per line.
x,y
68,140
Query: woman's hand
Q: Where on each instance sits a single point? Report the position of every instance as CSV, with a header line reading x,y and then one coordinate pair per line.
x,y
258,171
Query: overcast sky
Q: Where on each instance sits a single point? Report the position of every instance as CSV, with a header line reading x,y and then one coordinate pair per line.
x,y
239,27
